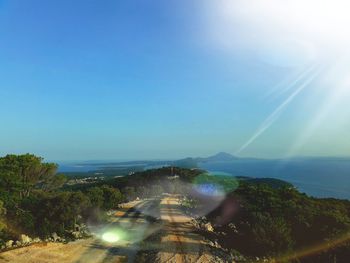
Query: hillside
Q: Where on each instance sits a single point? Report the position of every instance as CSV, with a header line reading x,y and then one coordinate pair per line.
x,y
228,217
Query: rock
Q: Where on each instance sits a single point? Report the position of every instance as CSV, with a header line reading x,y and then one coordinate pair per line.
x,y
214,244
233,227
209,227
76,234
18,243
25,239
9,244
36,240
55,237
195,223
217,245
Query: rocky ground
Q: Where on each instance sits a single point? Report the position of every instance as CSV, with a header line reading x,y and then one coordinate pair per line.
x,y
150,231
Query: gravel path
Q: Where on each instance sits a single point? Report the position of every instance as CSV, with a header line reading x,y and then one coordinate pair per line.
x,y
152,231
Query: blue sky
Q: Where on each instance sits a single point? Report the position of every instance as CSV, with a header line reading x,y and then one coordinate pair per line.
x,y
152,79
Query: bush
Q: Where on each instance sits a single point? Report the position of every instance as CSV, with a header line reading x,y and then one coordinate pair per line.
x,y
272,221
2,214
96,196
129,193
112,197
270,236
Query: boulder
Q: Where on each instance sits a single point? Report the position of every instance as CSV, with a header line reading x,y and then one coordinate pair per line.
x,y
36,240
18,243
209,227
233,227
76,234
24,239
9,244
55,237
195,223
216,244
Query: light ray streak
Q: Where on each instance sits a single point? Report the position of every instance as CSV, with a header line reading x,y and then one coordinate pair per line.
x,y
303,74
286,86
331,103
313,250
277,112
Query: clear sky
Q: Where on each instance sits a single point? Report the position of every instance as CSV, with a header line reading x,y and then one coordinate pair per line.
x,y
167,79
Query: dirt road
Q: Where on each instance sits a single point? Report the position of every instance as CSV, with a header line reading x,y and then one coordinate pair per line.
x,y
94,249
143,238
179,241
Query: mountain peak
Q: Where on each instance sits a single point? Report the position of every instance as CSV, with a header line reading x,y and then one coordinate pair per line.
x,y
221,157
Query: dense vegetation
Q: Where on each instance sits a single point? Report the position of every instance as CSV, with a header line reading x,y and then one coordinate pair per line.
x,y
258,217
146,183
35,201
261,220
32,200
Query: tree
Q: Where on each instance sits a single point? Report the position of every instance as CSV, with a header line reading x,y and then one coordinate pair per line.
x,y
157,190
2,214
142,192
271,235
96,196
129,193
54,182
60,212
24,172
112,197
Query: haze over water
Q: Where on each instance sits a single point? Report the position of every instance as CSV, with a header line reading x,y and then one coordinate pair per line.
x,y
318,177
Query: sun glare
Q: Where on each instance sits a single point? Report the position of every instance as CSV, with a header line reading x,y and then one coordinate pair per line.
x,y
110,237
292,28
291,34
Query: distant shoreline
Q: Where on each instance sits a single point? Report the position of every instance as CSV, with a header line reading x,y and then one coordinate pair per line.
x,y
318,177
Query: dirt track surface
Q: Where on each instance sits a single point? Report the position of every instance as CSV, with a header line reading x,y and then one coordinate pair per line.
x,y
151,231
179,242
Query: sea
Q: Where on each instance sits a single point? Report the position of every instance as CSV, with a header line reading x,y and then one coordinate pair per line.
x,y
318,177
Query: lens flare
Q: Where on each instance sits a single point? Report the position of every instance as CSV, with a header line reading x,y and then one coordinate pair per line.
x,y
215,184
110,237
324,246
210,189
